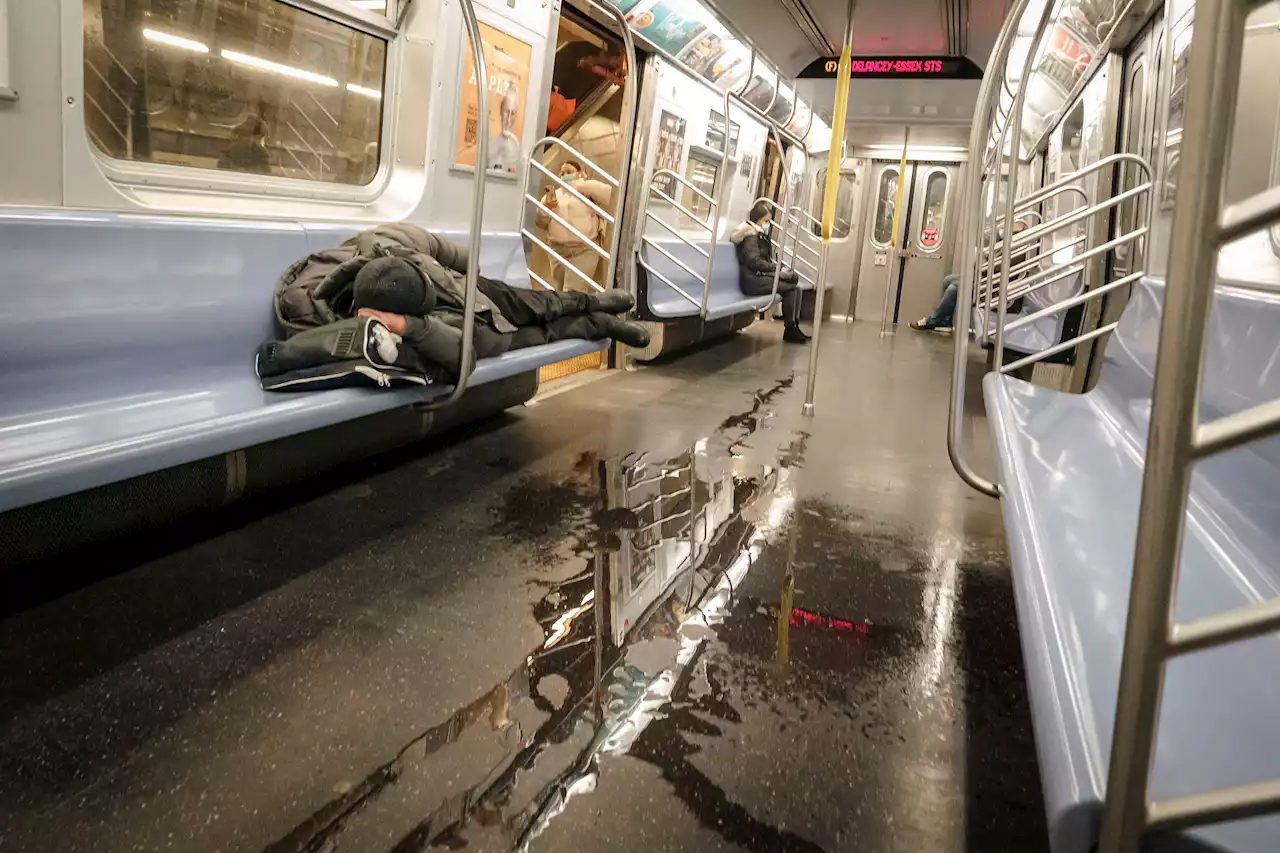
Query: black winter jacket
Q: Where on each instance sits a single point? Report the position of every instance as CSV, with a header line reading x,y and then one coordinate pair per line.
x,y
755,261
318,289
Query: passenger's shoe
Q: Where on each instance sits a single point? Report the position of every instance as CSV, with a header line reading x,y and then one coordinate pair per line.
x,y
610,302
921,325
625,332
793,335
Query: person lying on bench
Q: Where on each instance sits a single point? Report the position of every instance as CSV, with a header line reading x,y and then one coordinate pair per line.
x,y
756,267
414,283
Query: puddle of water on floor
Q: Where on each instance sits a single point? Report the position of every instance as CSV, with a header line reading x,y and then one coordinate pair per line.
x,y
669,614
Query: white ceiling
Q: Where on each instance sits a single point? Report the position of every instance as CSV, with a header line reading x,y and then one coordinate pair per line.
x,y
781,30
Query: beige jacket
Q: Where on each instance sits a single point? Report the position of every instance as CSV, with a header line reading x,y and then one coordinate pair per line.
x,y
573,210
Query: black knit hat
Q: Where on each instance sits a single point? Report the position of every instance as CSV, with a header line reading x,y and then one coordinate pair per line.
x,y
395,285
759,211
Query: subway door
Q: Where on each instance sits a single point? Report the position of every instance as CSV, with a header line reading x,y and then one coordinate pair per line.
x,y
874,274
926,252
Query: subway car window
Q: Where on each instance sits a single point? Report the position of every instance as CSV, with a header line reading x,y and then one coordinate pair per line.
x,y
256,87
935,211
886,198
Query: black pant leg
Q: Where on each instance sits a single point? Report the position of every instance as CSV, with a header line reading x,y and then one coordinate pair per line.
x,y
524,307
791,307
488,342
585,327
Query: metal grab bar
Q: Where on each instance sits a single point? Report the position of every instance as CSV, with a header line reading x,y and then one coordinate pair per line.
x,y
971,199
588,242
472,277
1027,201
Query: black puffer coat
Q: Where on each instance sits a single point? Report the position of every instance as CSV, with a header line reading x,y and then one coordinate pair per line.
x,y
755,261
318,289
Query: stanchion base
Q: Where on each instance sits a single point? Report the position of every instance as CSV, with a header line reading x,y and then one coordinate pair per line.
x,y
807,410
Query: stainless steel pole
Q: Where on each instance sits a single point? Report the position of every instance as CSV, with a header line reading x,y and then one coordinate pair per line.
x,y
829,202
893,241
969,225
467,359
1011,190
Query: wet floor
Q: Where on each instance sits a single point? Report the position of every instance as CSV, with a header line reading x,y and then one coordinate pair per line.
x,y
659,611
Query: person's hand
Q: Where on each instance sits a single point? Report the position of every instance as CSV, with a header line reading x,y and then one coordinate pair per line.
x,y
395,323
551,200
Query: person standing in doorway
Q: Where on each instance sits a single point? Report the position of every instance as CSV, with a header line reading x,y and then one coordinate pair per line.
x,y
572,209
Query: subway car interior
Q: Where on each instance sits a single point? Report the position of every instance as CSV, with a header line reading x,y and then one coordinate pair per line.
x,y
575,425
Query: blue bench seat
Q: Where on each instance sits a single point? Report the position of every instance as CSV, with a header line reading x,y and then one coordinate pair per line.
x,y
1041,334
130,342
724,297
1071,470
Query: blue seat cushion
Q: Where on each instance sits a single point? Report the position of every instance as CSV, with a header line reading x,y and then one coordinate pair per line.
x,y
130,341
724,297
1071,472
1041,334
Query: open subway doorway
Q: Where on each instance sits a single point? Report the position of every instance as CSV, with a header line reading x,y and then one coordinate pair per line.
x,y
588,83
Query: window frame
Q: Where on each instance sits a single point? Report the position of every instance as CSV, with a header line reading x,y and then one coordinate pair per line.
x,y
875,211
930,171
135,175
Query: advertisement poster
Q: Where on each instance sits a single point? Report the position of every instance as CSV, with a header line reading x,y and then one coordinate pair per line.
x,y
664,27
670,150
507,59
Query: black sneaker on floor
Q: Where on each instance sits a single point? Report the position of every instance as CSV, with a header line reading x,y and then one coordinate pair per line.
x,y
921,325
793,335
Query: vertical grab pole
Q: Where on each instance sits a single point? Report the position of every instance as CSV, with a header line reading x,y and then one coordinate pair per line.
x,y
893,241
478,65
1213,79
628,131
969,225
829,201
1011,191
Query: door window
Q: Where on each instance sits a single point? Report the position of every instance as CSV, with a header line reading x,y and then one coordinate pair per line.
x,y
933,211
886,200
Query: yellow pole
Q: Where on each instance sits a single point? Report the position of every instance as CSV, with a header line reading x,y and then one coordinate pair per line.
x,y
893,241
829,200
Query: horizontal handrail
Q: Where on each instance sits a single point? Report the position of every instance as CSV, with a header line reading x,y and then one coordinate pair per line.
x,y
1054,350
668,282
553,253
564,185
690,270
671,228
579,156
1073,301
678,206
1076,264
682,180
1023,204
589,242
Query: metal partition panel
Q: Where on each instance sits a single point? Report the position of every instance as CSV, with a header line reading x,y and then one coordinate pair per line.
x,y
1175,440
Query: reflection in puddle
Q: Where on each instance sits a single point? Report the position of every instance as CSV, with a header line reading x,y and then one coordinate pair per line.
x,y
622,666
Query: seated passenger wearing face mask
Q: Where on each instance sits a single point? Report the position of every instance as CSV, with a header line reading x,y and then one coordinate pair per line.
x,y
756,267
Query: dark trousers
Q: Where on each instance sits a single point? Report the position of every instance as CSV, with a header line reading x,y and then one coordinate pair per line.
x,y
788,294
542,317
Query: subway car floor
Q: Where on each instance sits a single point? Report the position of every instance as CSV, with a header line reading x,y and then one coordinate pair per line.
x,y
416,652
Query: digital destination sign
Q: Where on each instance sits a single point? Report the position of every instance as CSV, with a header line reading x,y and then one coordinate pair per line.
x,y
933,67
